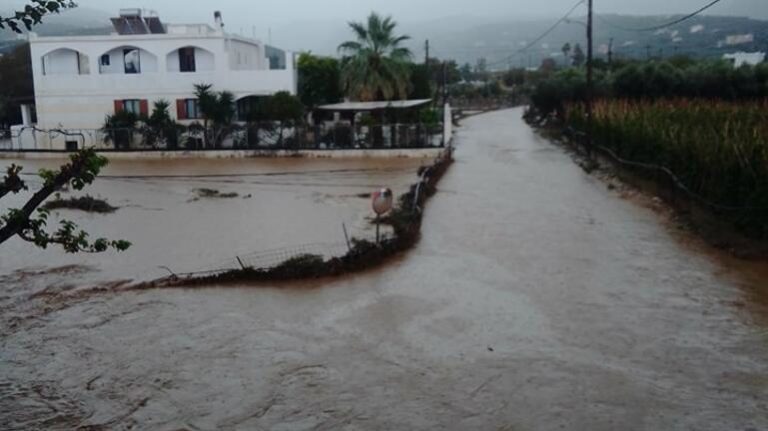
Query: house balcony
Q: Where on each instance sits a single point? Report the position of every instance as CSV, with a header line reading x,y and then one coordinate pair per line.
x,y
165,84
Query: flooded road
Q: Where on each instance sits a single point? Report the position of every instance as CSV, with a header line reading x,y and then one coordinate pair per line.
x,y
536,300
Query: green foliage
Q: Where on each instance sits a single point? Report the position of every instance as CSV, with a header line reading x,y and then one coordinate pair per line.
x,y
430,117
466,72
283,107
33,14
421,82
218,110
29,223
578,56
120,128
161,127
375,66
655,80
319,80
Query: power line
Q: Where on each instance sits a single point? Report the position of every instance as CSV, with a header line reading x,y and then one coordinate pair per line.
x,y
540,38
661,26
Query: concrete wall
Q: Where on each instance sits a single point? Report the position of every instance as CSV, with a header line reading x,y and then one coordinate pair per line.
x,y
423,153
245,56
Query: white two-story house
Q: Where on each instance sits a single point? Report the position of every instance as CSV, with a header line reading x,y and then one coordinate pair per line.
x,y
79,80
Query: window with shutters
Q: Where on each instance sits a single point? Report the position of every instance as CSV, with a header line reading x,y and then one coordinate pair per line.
x,y
187,60
192,109
132,105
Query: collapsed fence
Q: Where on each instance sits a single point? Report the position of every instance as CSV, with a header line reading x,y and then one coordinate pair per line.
x,y
252,136
326,260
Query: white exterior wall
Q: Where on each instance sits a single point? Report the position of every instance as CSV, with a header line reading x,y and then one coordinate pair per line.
x,y
74,101
246,56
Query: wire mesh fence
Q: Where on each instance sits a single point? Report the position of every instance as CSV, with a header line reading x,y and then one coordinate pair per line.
x,y
269,259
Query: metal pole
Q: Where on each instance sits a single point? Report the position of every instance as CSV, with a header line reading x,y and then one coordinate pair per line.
x,y
590,79
377,229
346,236
445,82
610,54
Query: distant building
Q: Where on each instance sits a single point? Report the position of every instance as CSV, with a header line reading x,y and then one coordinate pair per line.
x,y
749,58
79,80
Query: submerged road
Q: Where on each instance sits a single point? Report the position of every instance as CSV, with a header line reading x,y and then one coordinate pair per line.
x,y
536,300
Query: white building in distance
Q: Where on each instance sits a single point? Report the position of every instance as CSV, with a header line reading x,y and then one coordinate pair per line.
x,y
79,80
745,58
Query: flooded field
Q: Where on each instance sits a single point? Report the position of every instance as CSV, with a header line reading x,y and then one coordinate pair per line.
x,y
279,203
536,300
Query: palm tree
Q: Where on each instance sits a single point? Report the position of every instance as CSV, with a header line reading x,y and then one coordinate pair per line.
x,y
120,129
218,110
375,66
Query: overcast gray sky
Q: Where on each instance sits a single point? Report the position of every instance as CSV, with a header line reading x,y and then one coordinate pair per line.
x,y
246,13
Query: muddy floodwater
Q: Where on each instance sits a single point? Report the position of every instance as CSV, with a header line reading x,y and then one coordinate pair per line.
x,y
537,299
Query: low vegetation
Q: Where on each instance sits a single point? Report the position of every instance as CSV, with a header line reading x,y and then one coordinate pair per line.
x,y
85,203
212,193
696,127
718,149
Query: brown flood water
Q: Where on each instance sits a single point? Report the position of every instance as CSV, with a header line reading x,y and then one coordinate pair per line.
x,y
536,300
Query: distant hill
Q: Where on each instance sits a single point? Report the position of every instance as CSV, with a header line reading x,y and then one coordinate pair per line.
x,y
80,21
468,38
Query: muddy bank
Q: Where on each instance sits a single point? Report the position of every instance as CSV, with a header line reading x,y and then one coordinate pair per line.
x,y
655,187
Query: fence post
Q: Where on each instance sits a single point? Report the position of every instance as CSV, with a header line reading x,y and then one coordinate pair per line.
x,y
447,125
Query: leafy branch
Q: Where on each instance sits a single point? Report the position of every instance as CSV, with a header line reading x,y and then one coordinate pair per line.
x,y
33,14
82,170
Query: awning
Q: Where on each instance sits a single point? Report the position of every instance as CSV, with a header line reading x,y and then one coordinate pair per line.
x,y
374,106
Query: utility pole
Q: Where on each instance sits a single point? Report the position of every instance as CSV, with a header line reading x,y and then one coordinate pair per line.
x,y
610,54
445,82
426,55
648,52
590,78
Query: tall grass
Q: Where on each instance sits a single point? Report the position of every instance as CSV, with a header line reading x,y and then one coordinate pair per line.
x,y
718,149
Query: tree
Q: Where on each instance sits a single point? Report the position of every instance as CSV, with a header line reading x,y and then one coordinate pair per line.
x,y
82,169
481,68
218,110
566,52
120,128
319,80
578,56
548,65
421,82
161,127
17,85
285,109
33,14
466,72
514,77
375,65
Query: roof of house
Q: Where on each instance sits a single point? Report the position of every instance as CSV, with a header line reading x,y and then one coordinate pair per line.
x,y
373,106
